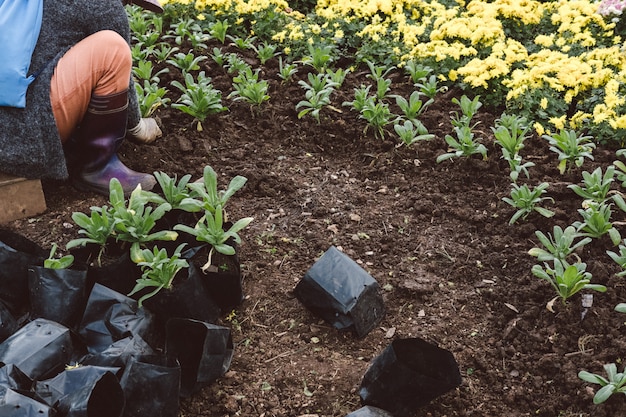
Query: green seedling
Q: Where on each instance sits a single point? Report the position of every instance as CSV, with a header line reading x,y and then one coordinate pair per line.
x,y
199,99
158,270
615,382
527,200
571,148
566,279
463,145
558,245
286,71
412,132
597,222
63,262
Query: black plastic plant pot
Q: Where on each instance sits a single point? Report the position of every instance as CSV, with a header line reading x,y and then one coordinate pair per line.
x,y
222,280
40,349
118,353
101,398
17,253
407,375
85,391
110,316
12,377
116,270
203,350
57,294
369,411
8,323
338,290
151,386
18,404
187,298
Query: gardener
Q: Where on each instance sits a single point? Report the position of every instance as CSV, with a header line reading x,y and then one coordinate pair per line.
x,y
82,99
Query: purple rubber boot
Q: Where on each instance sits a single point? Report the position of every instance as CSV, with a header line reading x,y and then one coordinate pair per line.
x,y
93,150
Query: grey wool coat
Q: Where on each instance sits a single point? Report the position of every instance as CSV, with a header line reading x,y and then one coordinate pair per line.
x,y
30,145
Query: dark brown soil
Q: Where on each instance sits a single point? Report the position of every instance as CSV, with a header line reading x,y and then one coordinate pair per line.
x,y
435,236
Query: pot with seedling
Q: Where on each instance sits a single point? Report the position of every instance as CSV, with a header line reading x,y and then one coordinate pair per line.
x,y
170,287
217,258
58,290
115,234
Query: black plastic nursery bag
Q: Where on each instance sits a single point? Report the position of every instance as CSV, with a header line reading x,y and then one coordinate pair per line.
x,y
8,323
110,316
341,292
117,271
84,391
57,294
19,404
407,375
203,350
118,354
151,386
12,377
186,299
40,349
17,253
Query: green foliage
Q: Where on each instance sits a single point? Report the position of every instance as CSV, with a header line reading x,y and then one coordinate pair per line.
x,y
615,382
205,194
412,132
187,30
596,222
199,99
57,263
571,148
378,74
150,97
527,200
430,87
158,270
463,145
210,229
313,103
134,221
249,88
566,279
510,133
176,192
596,185
361,95
186,62
286,71
377,114
265,52
559,245
337,76
413,107
319,57
619,258
243,43
144,71
468,110
416,71
97,228
219,30
163,51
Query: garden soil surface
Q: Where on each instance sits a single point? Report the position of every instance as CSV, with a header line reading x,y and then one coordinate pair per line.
x,y
436,237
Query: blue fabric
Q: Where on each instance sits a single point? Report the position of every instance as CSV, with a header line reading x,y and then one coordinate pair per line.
x,y
20,23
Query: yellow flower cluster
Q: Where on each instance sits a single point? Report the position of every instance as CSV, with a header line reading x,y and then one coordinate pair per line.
x,y
478,72
472,38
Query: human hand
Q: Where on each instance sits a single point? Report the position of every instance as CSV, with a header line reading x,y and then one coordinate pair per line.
x,y
146,131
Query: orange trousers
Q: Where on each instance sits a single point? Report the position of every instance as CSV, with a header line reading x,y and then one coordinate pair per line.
x,y
99,65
